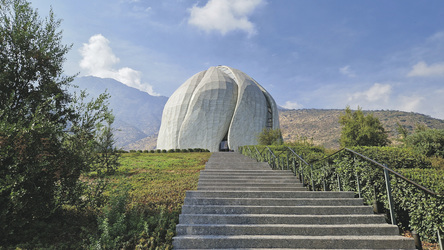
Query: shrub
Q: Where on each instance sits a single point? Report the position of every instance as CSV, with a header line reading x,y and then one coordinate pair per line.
x,y
429,142
270,137
361,130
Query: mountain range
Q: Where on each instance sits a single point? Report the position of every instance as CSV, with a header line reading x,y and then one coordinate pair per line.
x,y
138,116
137,113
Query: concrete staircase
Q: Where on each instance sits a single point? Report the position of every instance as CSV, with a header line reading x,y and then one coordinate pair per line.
x,y
241,203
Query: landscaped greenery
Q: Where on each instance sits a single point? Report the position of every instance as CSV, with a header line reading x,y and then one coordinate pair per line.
x,y
146,194
142,204
414,208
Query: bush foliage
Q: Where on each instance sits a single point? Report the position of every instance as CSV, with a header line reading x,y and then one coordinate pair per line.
x,y
49,139
270,137
361,130
415,209
429,142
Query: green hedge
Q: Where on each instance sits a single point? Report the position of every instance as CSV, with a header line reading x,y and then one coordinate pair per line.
x,y
395,158
414,208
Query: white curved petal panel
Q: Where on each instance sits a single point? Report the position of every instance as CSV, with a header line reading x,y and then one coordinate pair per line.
x,y
219,104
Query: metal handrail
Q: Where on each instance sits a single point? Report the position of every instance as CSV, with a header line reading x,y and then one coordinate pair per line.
x,y
258,153
395,173
386,169
300,158
271,151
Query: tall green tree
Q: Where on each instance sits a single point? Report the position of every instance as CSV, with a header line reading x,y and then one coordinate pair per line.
x,y
361,130
46,139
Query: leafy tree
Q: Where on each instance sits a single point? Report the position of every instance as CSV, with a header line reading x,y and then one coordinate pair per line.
x,y
270,137
402,131
46,139
429,142
361,130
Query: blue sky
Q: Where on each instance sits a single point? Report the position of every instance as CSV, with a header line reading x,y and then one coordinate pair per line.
x,y
308,54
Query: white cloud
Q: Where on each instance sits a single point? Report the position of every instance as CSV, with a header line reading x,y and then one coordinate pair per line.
x,y
292,105
422,69
98,60
377,93
410,103
347,71
224,15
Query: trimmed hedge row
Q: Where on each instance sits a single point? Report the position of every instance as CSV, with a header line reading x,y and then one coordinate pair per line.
x,y
395,158
185,150
414,208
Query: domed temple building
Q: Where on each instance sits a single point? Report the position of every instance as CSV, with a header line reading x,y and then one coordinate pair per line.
x,y
218,109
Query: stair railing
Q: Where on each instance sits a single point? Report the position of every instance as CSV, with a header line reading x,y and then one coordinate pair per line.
x,y
324,176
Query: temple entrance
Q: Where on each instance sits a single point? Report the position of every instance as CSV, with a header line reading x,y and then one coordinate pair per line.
x,y
223,146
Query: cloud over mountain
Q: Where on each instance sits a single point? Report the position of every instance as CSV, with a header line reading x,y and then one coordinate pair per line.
x,y
99,60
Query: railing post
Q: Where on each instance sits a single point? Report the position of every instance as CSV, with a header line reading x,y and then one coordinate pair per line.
x,y
358,185
312,178
301,171
323,177
389,195
293,162
339,182
375,202
439,240
417,240
287,161
282,163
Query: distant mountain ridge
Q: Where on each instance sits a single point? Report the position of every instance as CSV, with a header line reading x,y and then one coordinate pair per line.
x,y
323,128
138,117
137,113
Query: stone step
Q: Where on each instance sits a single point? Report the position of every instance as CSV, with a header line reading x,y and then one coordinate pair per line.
x,y
286,229
248,172
246,168
227,164
247,177
269,194
275,201
244,188
242,209
247,181
242,204
250,185
280,219
293,241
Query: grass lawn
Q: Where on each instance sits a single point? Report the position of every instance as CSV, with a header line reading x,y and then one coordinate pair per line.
x,y
159,179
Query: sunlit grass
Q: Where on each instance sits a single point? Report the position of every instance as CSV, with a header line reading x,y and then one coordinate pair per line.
x,y
159,179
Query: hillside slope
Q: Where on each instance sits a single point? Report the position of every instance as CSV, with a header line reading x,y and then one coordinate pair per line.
x,y
322,126
137,113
